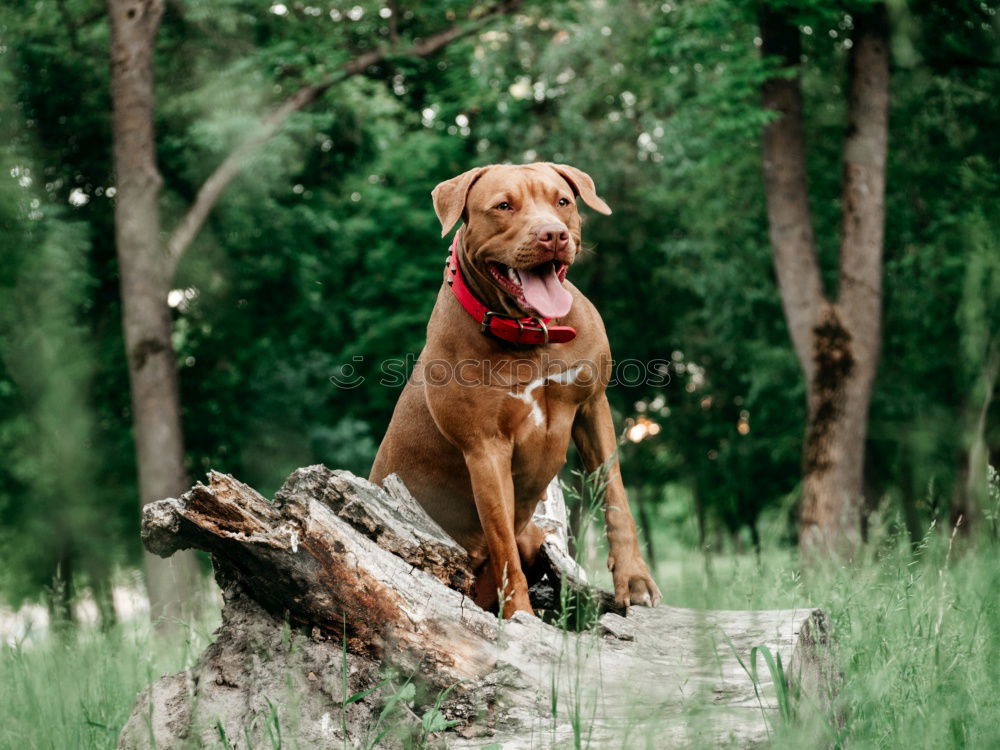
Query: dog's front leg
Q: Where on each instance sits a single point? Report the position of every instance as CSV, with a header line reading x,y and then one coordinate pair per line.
x,y
493,488
594,435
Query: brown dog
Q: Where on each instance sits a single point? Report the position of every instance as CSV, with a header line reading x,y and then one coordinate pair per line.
x,y
484,423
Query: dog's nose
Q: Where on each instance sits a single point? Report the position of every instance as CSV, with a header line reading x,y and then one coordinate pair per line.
x,y
554,236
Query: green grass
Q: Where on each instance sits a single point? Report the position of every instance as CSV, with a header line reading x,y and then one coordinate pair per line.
x,y
917,638
77,692
918,642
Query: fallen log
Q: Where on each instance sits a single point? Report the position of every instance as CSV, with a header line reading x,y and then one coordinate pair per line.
x,y
346,621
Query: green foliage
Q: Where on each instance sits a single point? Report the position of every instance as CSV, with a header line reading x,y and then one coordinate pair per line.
x,y
54,519
324,254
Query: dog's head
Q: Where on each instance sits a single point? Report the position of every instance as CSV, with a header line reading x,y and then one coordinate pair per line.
x,y
522,231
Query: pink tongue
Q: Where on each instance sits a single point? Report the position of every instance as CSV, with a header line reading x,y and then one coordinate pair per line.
x,y
544,292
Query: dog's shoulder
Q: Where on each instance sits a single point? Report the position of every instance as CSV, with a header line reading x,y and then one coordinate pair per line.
x,y
584,317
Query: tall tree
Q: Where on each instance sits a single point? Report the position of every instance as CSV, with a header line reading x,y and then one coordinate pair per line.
x,y
836,339
152,366
146,268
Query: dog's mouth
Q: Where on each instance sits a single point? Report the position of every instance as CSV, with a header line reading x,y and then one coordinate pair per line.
x,y
537,290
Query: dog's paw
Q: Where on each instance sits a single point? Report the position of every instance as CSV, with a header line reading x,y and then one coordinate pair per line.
x,y
633,584
519,602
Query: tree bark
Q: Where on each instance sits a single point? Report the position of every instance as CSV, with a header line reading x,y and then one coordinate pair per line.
x,y
641,495
146,320
789,219
972,486
338,579
837,341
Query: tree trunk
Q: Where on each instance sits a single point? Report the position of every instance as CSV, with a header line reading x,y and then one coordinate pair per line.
x,y
642,497
789,220
833,449
972,486
104,598
837,342
60,596
338,580
145,314
908,499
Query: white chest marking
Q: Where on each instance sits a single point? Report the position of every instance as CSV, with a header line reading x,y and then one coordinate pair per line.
x,y
566,377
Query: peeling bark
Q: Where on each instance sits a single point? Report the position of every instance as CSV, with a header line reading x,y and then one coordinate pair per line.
x,y
336,561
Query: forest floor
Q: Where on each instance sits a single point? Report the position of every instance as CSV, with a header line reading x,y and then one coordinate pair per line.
x,y
918,642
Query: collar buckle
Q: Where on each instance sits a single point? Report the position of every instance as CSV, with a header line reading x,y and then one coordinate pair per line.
x,y
545,328
485,327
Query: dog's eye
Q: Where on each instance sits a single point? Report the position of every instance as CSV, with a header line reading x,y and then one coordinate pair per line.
x,y
504,206
564,201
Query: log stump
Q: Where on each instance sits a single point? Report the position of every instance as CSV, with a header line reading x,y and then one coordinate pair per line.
x,y
346,622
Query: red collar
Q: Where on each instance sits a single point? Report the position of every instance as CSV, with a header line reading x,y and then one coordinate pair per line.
x,y
527,331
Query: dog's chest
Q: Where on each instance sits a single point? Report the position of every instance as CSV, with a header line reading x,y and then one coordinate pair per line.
x,y
549,401
541,413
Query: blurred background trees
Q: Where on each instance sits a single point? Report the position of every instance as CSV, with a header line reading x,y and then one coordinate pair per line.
x,y
837,335
321,255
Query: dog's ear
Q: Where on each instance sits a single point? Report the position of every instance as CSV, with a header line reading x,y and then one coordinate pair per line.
x,y
449,197
583,186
